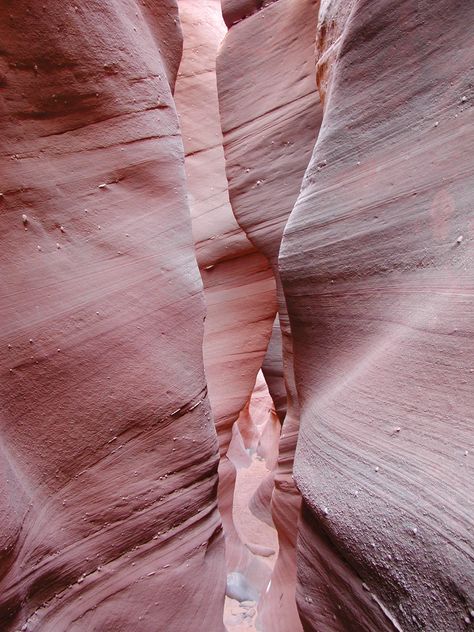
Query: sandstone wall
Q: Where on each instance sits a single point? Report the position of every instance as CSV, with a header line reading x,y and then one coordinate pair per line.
x,y
377,270
109,454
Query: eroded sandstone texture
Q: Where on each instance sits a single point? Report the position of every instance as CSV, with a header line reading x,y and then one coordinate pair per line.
x,y
350,122
377,267
109,456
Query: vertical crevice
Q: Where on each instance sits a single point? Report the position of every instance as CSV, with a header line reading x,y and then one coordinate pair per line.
x,y
253,452
270,115
239,289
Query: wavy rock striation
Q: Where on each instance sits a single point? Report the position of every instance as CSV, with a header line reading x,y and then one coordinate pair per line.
x,y
377,267
109,458
109,454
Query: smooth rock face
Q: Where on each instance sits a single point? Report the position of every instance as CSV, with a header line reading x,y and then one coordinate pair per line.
x,y
108,452
270,116
377,267
109,456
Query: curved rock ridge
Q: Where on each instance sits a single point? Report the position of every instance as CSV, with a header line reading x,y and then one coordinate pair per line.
x,y
109,455
377,268
270,115
308,212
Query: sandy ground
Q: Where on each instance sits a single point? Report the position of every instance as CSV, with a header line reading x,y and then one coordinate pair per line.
x,y
240,617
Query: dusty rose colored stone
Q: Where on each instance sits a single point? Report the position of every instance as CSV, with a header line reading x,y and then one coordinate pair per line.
x,y
109,457
380,295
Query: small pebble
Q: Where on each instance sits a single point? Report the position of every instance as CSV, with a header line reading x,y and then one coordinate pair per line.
x,y
31,341
102,186
24,218
39,248
377,468
459,239
397,429
436,124
414,530
62,229
58,246
463,99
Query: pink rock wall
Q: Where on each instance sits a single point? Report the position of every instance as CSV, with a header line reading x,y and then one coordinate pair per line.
x,y
270,114
108,472
109,455
377,270
238,282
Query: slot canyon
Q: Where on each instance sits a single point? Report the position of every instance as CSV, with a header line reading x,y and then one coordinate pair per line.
x,y
236,316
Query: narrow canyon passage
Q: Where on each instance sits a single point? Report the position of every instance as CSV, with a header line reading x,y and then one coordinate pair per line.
x,y
236,316
253,451
240,295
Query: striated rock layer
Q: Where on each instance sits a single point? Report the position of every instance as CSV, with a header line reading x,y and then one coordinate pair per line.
x,y
270,116
108,453
377,267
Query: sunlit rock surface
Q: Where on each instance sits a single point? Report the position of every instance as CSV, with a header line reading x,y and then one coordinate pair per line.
x,y
377,268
